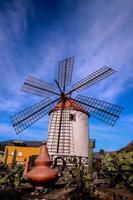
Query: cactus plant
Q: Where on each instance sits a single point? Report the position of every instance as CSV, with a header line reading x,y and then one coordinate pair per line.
x,y
10,177
78,176
117,169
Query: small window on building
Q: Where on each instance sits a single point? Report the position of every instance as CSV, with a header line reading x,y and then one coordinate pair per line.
x,y
19,153
72,117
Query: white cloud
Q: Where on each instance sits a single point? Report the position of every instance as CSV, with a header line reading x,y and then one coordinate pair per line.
x,y
7,132
107,40
8,105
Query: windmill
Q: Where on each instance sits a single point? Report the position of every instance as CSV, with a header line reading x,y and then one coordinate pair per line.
x,y
68,123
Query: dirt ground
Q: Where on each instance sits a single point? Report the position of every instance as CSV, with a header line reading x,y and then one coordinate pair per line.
x,y
107,193
103,192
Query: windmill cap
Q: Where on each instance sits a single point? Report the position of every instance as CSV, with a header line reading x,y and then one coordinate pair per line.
x,y
70,104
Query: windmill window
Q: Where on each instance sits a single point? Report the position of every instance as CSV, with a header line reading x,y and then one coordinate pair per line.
x,y
19,153
72,117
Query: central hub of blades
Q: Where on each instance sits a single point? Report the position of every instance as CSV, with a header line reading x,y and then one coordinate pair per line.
x,y
63,97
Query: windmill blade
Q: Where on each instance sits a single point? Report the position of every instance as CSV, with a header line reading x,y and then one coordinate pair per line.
x,y
65,72
104,111
64,129
60,125
38,87
31,114
95,77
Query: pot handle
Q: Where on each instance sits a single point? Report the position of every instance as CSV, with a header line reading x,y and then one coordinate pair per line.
x,y
63,164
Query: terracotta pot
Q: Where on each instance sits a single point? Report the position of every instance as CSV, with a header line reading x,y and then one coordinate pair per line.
x,y
42,174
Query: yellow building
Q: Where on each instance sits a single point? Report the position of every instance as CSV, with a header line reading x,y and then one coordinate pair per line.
x,y
22,152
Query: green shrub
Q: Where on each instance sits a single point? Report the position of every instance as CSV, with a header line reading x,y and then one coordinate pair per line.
x,y
117,168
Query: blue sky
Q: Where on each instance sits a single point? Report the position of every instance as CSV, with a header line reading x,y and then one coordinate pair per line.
x,y
35,35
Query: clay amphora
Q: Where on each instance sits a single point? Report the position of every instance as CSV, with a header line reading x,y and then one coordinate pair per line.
x,y
42,174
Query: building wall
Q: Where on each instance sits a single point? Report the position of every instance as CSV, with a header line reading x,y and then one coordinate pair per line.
x,y
65,134
74,135
22,153
80,129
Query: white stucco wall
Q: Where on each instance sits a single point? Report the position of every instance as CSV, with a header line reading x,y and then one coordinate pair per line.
x,y
81,134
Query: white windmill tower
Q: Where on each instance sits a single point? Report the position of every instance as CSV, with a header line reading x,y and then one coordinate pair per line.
x,y
74,133
68,125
